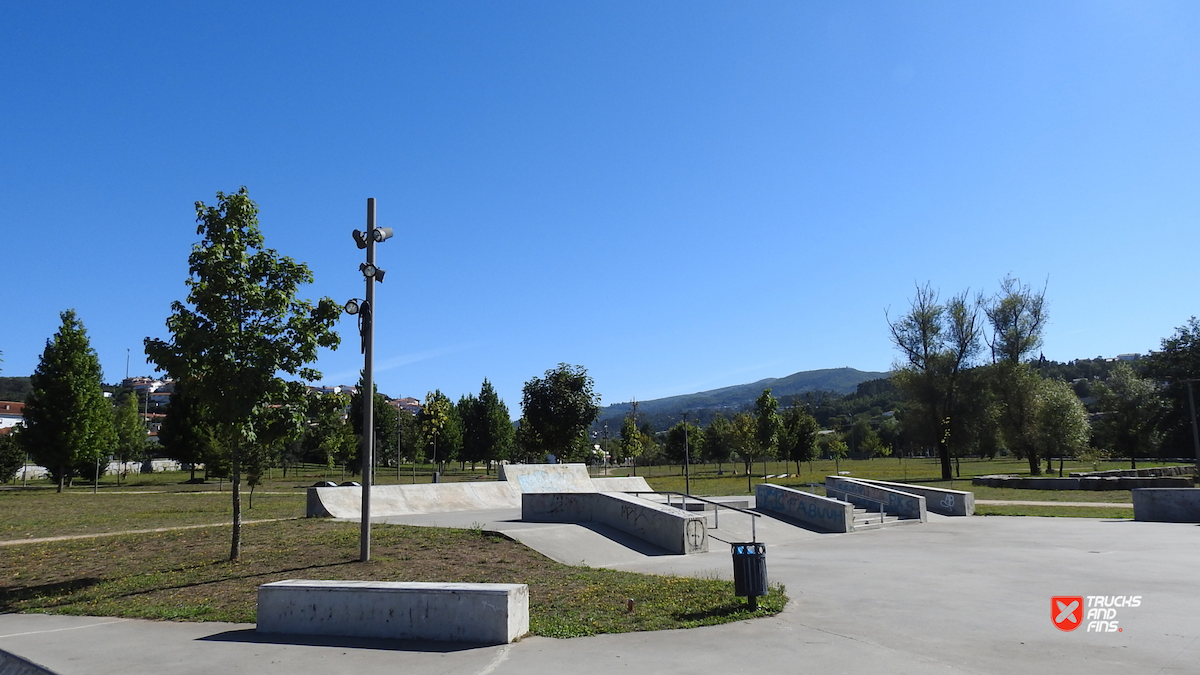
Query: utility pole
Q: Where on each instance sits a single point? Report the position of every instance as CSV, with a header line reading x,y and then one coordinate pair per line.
x,y
687,477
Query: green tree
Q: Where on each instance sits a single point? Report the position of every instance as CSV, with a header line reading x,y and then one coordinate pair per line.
x,y
1061,421
68,422
558,409
1174,365
744,436
684,441
187,435
798,436
130,432
718,442
242,327
487,431
384,423
1130,408
939,343
441,430
838,450
632,442
12,456
328,430
1017,315
766,423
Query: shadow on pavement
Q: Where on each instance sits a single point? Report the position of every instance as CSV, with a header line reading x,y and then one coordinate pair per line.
x,y
252,636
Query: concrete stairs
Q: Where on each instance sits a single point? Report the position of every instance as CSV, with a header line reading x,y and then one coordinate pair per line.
x,y
873,520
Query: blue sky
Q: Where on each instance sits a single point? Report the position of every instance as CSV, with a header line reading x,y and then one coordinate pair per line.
x,y
676,195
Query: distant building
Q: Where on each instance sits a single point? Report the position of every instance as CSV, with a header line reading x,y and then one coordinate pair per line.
x,y
407,404
12,414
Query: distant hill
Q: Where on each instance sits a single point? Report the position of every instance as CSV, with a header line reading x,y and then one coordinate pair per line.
x,y
663,412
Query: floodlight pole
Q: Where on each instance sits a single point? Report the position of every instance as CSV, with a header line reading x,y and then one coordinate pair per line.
x,y
368,393
1195,432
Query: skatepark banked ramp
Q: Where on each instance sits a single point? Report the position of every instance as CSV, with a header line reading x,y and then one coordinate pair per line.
x,y
515,480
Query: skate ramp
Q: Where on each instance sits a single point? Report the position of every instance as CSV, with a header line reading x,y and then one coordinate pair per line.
x,y
544,478
622,484
402,500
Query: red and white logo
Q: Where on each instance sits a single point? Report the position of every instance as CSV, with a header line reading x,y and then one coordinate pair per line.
x,y
1066,611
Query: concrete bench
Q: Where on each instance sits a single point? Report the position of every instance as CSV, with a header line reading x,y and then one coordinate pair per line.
x,y
447,612
1167,505
939,500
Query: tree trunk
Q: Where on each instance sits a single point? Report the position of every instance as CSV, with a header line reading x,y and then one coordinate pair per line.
x,y
62,476
235,548
1035,467
944,456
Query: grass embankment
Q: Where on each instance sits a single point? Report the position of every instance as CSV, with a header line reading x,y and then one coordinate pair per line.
x,y
183,575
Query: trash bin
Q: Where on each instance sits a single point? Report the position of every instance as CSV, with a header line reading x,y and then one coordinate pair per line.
x,y
750,571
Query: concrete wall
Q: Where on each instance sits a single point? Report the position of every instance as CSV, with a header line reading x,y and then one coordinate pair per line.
x,y
1083,483
1167,505
449,612
866,496
548,477
1145,472
828,514
664,526
938,500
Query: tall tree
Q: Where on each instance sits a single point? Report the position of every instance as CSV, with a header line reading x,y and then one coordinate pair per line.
x,y
328,431
1130,408
744,435
68,422
685,440
1061,421
631,443
939,342
718,442
1177,366
798,436
1017,315
486,428
385,423
242,327
130,432
766,422
558,409
441,430
187,435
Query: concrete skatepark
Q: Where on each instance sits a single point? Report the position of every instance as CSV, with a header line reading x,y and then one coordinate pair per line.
x,y
950,595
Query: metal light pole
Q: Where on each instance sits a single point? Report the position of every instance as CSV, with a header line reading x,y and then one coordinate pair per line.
x,y
1195,433
366,308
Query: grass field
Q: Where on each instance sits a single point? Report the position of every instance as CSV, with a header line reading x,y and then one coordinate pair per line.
x,y
184,575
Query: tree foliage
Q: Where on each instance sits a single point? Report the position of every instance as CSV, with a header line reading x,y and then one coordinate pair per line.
x,y
766,423
241,328
487,431
188,436
130,432
441,429
557,409
939,342
1130,410
798,436
1173,365
385,421
12,456
68,421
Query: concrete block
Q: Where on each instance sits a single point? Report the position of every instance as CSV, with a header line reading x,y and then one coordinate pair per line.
x,y
864,495
938,500
622,484
666,527
447,612
832,515
1167,505
400,500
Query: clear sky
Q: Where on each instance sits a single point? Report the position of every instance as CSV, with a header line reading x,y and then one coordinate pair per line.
x,y
676,195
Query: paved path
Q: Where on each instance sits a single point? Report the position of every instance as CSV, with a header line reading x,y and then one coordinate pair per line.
x,y
954,595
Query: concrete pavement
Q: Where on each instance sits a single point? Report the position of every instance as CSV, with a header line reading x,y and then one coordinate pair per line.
x,y
954,595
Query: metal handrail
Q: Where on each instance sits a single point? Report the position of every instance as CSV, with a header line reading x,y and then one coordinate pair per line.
x,y
881,502
716,513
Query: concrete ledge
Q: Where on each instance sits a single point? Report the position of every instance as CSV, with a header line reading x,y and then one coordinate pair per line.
x,y
938,500
622,484
447,612
864,495
1167,505
661,525
832,515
